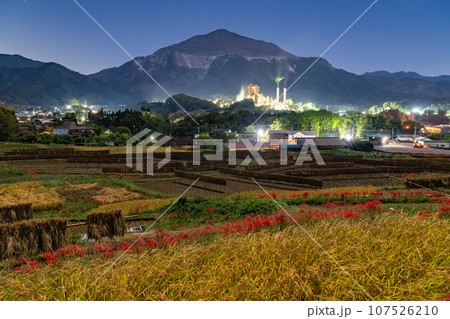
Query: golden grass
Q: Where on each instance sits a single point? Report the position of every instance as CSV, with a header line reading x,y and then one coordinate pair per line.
x,y
81,186
41,197
105,224
135,205
281,193
30,237
110,194
393,258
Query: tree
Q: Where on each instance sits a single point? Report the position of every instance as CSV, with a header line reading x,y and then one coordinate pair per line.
x,y
9,127
250,129
354,122
394,124
276,125
70,117
320,121
375,122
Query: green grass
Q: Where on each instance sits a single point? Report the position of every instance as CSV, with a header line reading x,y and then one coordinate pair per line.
x,y
341,152
74,211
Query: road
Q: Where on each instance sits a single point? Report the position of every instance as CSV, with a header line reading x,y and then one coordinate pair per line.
x,y
408,148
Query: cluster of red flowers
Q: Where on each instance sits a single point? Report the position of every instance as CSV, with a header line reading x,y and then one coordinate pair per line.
x,y
71,250
106,251
371,206
427,214
138,208
445,209
29,171
62,212
270,196
316,214
26,268
119,174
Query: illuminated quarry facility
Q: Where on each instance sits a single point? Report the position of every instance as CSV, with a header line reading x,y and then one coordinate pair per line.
x,y
253,92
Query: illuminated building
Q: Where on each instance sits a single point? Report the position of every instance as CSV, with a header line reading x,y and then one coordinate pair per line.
x,y
252,91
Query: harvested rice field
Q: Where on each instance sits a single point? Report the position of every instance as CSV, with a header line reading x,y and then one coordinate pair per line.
x,y
220,233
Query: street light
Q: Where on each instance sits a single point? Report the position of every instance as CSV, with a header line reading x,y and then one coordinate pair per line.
x,y
260,132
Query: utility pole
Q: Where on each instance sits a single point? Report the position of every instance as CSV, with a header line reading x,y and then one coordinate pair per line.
x,y
415,129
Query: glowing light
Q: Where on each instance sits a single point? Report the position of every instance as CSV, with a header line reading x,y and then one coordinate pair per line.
x,y
348,137
260,132
416,110
241,94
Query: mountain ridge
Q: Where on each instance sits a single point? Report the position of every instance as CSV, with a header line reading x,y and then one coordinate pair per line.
x,y
219,63
409,75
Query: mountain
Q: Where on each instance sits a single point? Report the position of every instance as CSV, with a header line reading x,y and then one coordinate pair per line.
x,y
219,63
27,82
409,75
17,61
222,63
198,53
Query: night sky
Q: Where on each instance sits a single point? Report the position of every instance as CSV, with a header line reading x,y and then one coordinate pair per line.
x,y
395,35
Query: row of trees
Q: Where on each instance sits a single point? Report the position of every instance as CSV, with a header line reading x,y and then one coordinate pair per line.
x,y
321,121
121,125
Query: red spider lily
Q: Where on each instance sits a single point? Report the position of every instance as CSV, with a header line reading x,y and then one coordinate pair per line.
x,y
49,258
31,265
30,171
124,246
98,247
427,214
351,215
371,206
210,210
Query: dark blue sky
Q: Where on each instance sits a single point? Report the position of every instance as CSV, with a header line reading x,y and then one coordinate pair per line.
x,y
395,35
